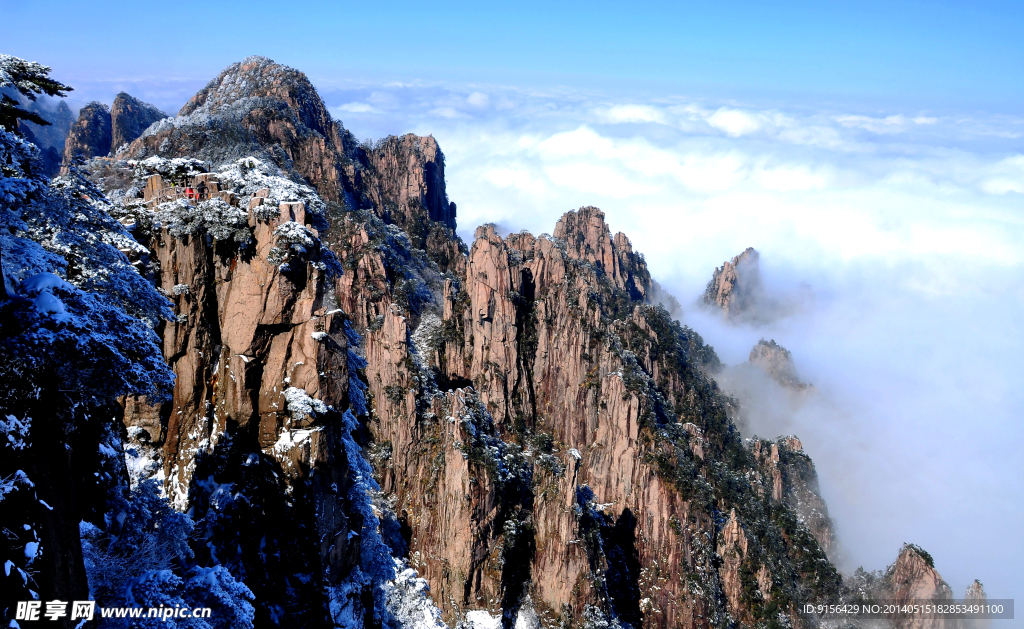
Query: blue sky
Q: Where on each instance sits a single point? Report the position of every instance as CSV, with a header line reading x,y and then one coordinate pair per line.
x,y
872,152
926,55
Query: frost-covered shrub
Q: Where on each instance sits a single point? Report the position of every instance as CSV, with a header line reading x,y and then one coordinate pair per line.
x,y
76,331
53,330
295,241
68,219
250,175
229,600
292,239
176,169
17,491
141,557
300,405
141,533
214,217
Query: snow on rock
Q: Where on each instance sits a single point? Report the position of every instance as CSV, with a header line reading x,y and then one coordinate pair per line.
x,y
480,619
249,176
291,238
214,217
300,405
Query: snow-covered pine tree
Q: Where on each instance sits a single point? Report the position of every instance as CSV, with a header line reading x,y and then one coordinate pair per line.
x,y
77,326
30,79
76,332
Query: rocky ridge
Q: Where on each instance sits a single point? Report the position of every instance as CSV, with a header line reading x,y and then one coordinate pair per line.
x,y
129,117
90,134
101,131
776,361
258,108
913,579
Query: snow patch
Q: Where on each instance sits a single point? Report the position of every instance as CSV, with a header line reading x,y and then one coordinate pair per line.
x,y
300,405
479,619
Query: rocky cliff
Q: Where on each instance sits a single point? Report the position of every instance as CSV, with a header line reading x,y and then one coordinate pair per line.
x,y
376,425
100,130
776,361
789,475
260,355
585,464
735,286
90,135
129,117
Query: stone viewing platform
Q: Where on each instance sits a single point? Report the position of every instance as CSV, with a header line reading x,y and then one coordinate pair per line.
x,y
159,190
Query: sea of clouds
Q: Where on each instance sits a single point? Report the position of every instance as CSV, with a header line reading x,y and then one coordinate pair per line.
x,y
896,238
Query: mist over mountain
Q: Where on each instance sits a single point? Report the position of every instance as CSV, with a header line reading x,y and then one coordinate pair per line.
x,y
891,235
338,403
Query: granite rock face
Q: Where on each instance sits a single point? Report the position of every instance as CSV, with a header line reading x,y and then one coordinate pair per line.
x,y
90,136
776,361
402,179
405,179
790,477
129,117
735,286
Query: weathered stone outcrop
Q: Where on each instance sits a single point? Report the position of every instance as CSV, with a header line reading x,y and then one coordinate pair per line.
x,y
129,117
735,286
90,135
976,595
404,181
914,579
976,592
776,361
791,478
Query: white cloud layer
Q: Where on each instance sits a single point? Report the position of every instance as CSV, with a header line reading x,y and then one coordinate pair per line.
x,y
903,232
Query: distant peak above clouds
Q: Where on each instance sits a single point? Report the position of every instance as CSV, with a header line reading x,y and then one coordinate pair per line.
x,y
736,286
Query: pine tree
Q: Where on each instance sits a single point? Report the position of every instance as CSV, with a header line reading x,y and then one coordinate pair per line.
x,y
30,79
76,331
